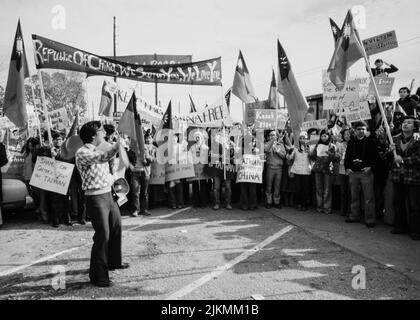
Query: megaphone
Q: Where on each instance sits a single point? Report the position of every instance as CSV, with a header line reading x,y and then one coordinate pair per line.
x,y
120,189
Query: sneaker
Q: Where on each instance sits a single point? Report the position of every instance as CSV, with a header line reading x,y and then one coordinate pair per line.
x,y
320,210
135,214
145,213
216,207
229,207
180,206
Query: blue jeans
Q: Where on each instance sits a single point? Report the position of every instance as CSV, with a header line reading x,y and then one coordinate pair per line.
x,y
273,176
228,190
140,184
323,186
365,182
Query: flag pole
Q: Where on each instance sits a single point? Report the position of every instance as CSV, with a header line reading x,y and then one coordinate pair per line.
x,y
378,98
36,111
44,105
224,135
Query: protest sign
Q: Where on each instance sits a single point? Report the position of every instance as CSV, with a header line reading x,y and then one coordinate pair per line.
x,y
380,43
266,119
179,171
59,118
384,85
250,110
199,173
317,124
150,114
13,169
334,99
157,174
362,112
51,54
250,170
52,175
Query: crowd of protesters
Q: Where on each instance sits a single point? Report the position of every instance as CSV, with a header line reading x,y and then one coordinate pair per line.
x,y
356,171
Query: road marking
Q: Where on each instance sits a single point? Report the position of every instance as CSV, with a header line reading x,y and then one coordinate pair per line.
x,y
219,270
316,264
143,223
297,252
257,297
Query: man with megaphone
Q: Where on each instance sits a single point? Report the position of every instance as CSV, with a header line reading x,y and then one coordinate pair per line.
x,y
104,212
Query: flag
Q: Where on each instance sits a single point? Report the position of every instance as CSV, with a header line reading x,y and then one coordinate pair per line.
x,y
272,95
109,89
74,127
242,86
399,109
193,108
296,103
14,98
167,117
336,31
227,98
347,52
130,124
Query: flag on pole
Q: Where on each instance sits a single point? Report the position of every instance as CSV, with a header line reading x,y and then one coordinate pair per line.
x,y
109,89
193,108
296,103
272,95
347,52
227,98
14,98
130,124
242,86
336,31
167,117
74,127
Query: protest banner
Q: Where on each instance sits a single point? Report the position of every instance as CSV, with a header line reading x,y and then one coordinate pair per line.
x,y
266,119
250,170
179,171
154,59
380,43
52,175
317,124
334,99
51,54
157,174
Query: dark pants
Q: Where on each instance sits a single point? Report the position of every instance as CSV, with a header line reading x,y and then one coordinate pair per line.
x,y
364,181
106,249
176,195
248,195
200,193
407,208
273,181
228,190
140,185
303,191
344,194
59,209
76,204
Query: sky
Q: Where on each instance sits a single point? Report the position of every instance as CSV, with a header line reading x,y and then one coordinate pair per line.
x,y
213,28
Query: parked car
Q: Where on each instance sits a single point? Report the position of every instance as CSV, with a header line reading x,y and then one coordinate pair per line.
x,y
16,195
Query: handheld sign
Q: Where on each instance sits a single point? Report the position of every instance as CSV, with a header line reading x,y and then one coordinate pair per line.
x,y
52,175
380,43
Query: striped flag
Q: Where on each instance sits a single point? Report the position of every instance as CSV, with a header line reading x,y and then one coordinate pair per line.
x,y
242,86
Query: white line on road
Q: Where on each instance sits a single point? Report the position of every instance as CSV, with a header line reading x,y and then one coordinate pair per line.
x,y
219,270
143,223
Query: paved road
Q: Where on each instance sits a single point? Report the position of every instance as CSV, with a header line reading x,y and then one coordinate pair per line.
x,y
195,254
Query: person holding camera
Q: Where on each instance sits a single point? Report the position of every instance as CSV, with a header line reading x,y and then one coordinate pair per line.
x,y
361,156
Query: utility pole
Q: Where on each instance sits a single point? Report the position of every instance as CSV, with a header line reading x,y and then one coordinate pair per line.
x,y
115,54
156,86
